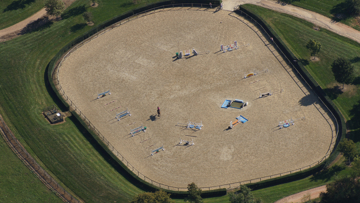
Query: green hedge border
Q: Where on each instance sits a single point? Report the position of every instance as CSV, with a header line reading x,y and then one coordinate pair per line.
x,y
318,90
56,59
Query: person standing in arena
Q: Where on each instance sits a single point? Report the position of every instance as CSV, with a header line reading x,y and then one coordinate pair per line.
x,y
158,111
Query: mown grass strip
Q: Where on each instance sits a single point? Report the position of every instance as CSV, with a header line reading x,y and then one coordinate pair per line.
x,y
18,182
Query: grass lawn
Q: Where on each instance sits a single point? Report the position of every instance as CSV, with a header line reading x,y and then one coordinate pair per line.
x,y
12,12
18,183
329,8
68,151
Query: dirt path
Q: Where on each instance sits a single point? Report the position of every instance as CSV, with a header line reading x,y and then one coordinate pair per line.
x,y
14,31
317,19
314,193
20,25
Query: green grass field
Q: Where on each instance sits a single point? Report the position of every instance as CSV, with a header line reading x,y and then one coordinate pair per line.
x,y
329,8
12,12
18,182
70,153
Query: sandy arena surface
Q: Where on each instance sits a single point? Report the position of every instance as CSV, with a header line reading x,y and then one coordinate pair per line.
x,y
136,62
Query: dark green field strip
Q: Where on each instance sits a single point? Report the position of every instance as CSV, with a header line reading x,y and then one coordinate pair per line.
x,y
14,11
18,183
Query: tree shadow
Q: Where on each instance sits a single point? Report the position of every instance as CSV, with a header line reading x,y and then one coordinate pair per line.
x,y
333,92
74,12
19,4
327,173
340,11
77,27
353,135
305,62
356,81
355,60
353,123
37,25
307,100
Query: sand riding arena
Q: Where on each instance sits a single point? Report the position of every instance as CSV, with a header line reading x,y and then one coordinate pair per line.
x,y
137,62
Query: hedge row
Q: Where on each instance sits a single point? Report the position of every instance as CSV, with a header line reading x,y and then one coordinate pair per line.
x,y
316,88
80,123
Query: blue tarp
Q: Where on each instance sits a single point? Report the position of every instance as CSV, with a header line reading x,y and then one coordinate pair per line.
x,y
226,104
242,119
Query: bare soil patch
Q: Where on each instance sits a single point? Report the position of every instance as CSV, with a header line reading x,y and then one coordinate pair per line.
x,y
317,28
136,63
94,5
304,196
314,59
90,23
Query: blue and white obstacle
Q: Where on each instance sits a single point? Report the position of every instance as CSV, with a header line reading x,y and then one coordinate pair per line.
x,y
229,47
286,123
122,114
157,150
195,125
103,94
136,130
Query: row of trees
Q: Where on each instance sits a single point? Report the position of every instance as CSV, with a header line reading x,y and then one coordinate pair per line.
x,y
244,195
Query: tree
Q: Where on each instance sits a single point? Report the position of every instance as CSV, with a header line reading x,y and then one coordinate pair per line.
x,y
194,194
314,47
343,71
88,16
342,190
354,6
355,167
243,196
157,197
54,7
348,148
